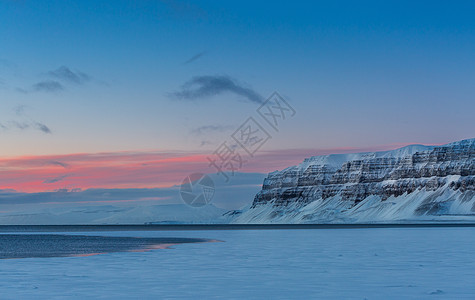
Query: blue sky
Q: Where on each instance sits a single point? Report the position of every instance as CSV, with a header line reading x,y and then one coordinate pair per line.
x,y
156,86
115,102
358,74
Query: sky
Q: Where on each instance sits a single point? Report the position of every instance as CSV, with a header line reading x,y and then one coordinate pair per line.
x,y
137,94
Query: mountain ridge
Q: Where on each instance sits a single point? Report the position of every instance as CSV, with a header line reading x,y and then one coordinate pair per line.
x,y
413,183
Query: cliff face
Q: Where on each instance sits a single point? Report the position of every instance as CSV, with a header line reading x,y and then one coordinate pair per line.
x,y
412,183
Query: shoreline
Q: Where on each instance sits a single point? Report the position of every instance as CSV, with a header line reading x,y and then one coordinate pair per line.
x,y
190,227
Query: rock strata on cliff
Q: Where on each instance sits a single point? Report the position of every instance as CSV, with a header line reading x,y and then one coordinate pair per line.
x,y
414,183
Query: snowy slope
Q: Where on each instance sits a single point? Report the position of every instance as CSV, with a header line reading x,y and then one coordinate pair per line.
x,y
413,183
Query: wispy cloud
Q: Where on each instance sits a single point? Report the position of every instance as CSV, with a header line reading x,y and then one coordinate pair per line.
x,y
126,170
194,58
233,195
55,179
64,73
58,163
120,169
24,124
42,127
208,134
19,125
47,86
207,129
58,79
200,87
99,170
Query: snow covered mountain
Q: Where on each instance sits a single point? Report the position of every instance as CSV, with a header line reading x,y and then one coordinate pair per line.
x,y
410,184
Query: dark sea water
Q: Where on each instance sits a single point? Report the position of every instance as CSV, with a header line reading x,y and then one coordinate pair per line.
x,y
61,245
30,241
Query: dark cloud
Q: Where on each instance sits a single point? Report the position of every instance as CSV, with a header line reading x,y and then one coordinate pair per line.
x,y
42,127
48,86
23,125
55,179
210,129
194,58
58,163
65,74
200,87
57,79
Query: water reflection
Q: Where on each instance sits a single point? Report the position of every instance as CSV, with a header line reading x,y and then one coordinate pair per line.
x,y
60,245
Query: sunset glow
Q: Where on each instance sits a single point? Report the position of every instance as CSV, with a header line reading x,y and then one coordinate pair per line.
x,y
139,169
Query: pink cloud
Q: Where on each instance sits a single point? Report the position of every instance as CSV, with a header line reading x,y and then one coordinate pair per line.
x,y
111,201
102,170
142,169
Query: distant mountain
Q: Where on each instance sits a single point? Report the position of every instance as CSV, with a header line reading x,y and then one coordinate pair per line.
x,y
411,184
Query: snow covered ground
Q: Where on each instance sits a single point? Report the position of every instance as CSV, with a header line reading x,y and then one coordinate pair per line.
x,y
386,263
108,214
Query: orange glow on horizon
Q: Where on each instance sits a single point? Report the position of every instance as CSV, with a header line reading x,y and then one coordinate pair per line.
x,y
122,170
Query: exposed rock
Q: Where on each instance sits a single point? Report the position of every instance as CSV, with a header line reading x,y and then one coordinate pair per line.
x,y
412,183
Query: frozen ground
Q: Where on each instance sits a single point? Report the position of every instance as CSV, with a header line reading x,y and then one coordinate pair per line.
x,y
389,263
